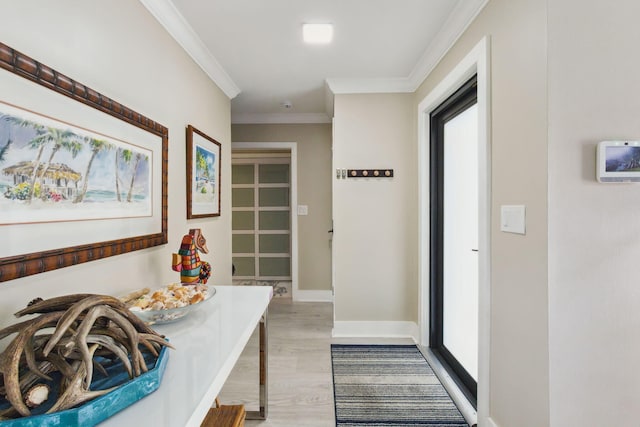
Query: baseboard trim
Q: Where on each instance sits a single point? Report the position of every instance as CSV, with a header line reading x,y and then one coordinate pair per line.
x,y
466,409
353,329
313,296
491,423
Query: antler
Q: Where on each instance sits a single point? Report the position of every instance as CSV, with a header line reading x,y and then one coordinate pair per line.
x,y
85,324
52,304
76,391
10,358
79,340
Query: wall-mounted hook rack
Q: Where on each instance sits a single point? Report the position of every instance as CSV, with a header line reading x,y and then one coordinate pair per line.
x,y
369,173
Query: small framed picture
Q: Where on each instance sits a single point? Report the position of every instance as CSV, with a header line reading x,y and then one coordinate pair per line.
x,y
203,170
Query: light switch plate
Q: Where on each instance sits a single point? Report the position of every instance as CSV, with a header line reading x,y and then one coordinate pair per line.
x,y
513,219
303,210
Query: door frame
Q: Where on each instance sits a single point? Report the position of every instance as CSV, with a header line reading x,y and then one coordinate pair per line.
x,y
462,99
293,147
475,62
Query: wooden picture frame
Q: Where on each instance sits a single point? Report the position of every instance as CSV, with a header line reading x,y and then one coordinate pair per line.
x,y
33,247
203,174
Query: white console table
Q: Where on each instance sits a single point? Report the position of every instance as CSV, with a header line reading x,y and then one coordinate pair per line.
x,y
207,345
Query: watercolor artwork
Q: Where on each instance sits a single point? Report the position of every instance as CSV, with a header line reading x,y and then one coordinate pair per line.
x,y
53,171
203,168
205,176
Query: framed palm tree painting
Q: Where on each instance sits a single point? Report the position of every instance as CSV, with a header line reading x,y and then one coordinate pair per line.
x,y
203,180
82,177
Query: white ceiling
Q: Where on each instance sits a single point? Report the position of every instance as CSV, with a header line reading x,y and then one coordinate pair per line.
x,y
253,49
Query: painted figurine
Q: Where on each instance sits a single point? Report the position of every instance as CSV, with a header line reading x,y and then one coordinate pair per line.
x,y
187,261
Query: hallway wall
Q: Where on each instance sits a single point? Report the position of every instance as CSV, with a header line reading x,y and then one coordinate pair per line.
x,y
519,366
375,219
120,50
594,244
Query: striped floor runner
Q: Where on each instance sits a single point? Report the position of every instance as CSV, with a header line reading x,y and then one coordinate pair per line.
x,y
389,385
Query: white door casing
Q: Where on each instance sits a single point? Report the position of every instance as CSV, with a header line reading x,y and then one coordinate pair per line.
x,y
475,62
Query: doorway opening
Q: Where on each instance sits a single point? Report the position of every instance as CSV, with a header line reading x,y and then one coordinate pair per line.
x,y
264,226
453,335
475,63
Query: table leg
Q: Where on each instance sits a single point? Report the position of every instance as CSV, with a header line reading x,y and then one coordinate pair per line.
x,y
264,368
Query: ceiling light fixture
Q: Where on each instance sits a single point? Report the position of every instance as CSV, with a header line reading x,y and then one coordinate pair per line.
x,y
317,33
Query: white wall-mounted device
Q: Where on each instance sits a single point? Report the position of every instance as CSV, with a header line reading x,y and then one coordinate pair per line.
x,y
618,161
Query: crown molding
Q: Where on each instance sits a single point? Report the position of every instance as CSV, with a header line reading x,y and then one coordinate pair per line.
x,y
456,24
280,118
170,18
458,21
392,85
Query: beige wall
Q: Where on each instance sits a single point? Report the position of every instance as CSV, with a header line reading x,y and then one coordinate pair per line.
x,y
314,190
119,49
594,243
519,369
375,220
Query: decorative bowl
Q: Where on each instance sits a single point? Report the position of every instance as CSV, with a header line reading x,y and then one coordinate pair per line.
x,y
156,317
127,392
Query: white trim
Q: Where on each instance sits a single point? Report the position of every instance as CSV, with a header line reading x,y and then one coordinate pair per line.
x,y
177,26
329,100
172,20
332,242
280,118
476,62
313,296
293,147
382,85
466,409
490,423
456,24
388,329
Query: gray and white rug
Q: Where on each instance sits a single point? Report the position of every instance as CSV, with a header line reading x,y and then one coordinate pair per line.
x,y
389,385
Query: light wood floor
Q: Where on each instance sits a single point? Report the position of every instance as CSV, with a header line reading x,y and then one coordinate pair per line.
x,y
300,380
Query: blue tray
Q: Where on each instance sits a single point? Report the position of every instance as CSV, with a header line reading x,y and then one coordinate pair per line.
x,y
100,408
